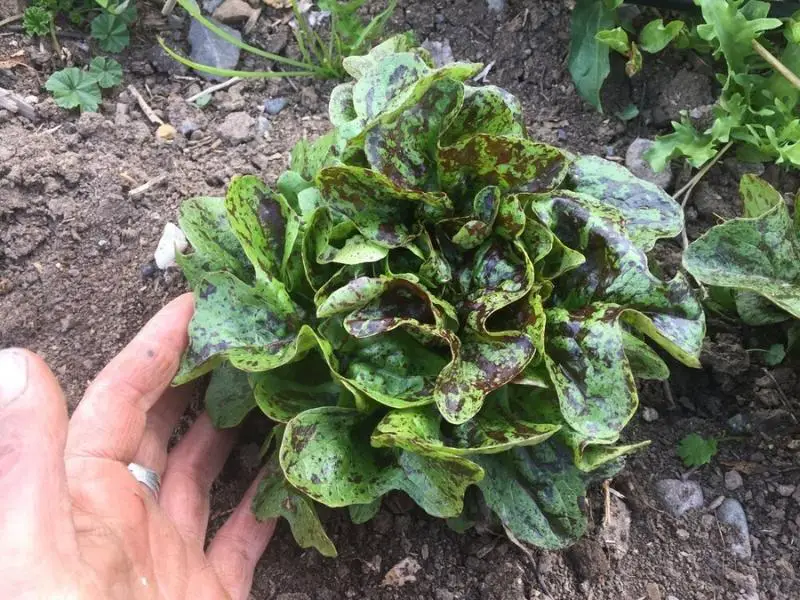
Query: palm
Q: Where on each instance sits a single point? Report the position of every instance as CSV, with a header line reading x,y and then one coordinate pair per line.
x,y
79,525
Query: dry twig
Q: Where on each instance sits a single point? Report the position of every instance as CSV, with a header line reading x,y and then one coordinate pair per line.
x,y
214,88
149,112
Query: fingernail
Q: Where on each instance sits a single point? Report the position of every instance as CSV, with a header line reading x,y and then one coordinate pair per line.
x,y
13,375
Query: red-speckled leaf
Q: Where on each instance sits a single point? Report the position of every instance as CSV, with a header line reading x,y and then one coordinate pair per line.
x,y
505,161
488,109
384,213
247,325
326,454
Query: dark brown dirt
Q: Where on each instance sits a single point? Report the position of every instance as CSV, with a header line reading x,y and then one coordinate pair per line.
x,y
77,281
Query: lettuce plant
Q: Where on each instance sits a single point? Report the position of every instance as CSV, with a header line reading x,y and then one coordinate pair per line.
x,y
431,302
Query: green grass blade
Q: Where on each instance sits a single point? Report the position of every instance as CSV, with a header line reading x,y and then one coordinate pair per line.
x,y
375,27
232,72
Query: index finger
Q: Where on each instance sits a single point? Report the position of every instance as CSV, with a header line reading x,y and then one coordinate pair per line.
x,y
110,420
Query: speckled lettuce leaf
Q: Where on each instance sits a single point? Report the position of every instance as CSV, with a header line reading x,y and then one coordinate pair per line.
x,y
326,454
362,513
277,498
383,212
357,66
309,157
229,397
247,325
204,221
329,242
488,109
403,145
616,272
537,493
643,360
493,430
265,224
505,161
585,357
759,255
384,80
649,212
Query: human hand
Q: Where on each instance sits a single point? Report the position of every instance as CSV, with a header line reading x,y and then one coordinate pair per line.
x,y
74,522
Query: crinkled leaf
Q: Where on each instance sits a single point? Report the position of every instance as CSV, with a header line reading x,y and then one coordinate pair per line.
x,y
229,397
488,109
643,360
384,80
277,498
650,213
243,324
758,196
326,454
759,255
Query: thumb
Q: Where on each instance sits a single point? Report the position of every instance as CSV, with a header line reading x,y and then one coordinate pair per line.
x,y
35,513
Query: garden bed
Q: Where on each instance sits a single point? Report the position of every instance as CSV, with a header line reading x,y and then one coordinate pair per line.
x,y
77,280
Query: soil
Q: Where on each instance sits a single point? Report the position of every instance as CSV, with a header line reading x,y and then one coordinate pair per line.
x,y
77,281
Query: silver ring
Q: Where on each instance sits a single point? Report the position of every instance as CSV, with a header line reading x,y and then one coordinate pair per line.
x,y
148,477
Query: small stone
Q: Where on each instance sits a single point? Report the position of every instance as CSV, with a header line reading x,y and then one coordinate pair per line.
x,y
441,52
402,573
89,123
263,126
308,97
786,490
683,534
273,106
649,414
172,240
731,513
234,11
653,591
165,132
496,6
237,128
738,424
733,480
210,6
638,165
211,50
679,497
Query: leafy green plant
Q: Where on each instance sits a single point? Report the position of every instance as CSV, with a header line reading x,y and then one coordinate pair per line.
x,y
756,257
74,88
696,451
36,20
111,32
81,88
322,58
431,301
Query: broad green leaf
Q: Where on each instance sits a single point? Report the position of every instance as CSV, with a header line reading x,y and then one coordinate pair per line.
x,y
536,493
229,397
247,325
111,31
326,454
505,161
204,221
588,58
361,513
277,498
643,361
308,158
106,71
655,36
384,80
756,310
73,88
341,243
759,255
616,39
650,213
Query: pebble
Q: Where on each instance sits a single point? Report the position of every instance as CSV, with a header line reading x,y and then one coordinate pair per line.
x,y
237,128
165,132
733,480
731,513
786,490
649,414
637,164
172,240
235,11
496,6
263,126
210,49
679,497
441,52
210,6
653,591
273,106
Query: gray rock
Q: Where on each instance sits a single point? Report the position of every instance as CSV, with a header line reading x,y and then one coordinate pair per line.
x,y
637,164
496,6
679,497
649,414
273,106
164,63
263,126
237,128
441,52
731,513
733,480
210,6
90,123
210,49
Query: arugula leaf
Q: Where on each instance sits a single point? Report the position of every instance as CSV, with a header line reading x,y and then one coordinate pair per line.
x,y
588,58
696,451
